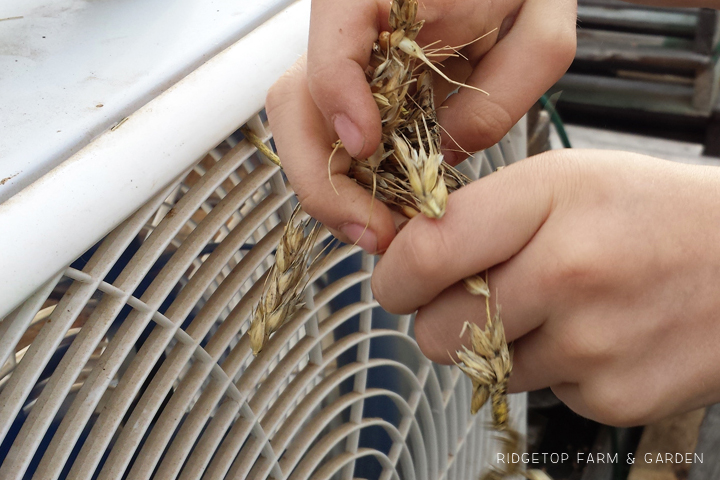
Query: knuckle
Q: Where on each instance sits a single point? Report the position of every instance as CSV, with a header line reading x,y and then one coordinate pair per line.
x,y
554,163
559,42
576,260
565,50
573,266
322,79
567,175
558,38
426,338
587,342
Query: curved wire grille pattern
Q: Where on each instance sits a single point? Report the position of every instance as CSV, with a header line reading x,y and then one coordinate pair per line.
x,y
133,362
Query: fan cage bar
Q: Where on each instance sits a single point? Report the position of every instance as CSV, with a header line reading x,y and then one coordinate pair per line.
x,y
155,377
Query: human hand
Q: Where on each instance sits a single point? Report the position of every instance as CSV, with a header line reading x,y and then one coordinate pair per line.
x,y
532,47
605,266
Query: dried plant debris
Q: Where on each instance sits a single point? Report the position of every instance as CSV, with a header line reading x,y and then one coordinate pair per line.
x,y
476,285
488,363
407,169
286,280
407,173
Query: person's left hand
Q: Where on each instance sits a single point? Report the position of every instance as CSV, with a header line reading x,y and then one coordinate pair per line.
x,y
513,49
606,266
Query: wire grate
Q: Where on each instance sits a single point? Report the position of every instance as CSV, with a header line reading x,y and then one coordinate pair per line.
x,y
133,363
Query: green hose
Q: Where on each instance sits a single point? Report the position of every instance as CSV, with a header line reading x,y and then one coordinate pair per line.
x,y
556,120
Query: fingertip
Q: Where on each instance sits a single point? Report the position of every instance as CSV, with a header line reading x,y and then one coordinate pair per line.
x,y
342,94
350,134
304,142
353,216
339,51
428,335
383,294
438,325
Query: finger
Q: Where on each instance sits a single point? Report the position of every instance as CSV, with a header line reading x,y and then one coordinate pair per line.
x,y
438,324
516,291
304,142
533,55
569,394
485,224
456,68
399,221
340,43
537,363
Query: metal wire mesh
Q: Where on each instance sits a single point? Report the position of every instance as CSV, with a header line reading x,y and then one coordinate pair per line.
x,y
133,362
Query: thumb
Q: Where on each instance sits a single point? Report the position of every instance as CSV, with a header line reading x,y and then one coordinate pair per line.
x,y
486,223
522,66
340,44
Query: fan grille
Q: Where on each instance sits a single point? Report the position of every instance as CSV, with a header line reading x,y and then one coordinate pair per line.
x,y
133,362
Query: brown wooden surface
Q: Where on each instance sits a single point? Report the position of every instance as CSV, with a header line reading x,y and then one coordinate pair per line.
x,y
672,435
708,446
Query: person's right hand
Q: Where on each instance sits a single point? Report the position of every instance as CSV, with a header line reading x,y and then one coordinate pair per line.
x,y
604,268
328,96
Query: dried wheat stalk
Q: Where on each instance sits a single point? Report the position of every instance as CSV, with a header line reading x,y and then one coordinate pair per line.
x,y
407,173
414,179
285,281
488,363
407,170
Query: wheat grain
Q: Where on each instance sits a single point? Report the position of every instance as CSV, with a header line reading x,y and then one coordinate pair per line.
x,y
476,286
488,364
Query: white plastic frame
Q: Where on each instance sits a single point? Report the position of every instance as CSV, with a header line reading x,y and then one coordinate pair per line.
x,y
80,201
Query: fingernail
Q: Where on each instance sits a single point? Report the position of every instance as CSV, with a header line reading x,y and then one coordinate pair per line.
x,y
349,133
360,236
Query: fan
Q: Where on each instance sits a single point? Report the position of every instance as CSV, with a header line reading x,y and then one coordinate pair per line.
x,y
133,362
